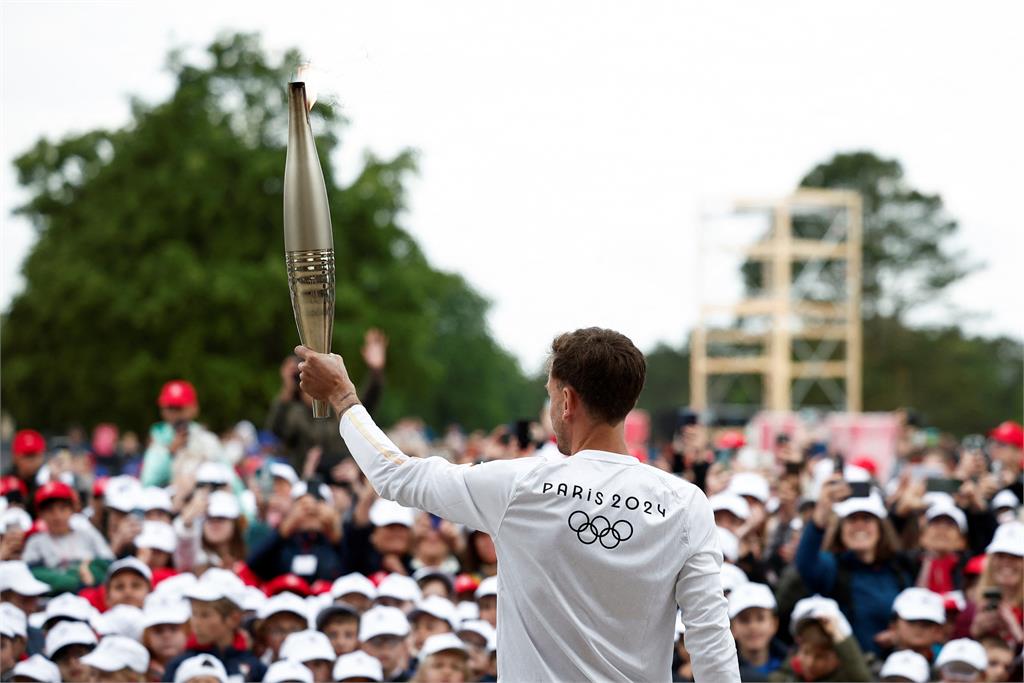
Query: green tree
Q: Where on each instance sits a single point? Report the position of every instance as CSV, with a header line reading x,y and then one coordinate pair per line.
x,y
160,255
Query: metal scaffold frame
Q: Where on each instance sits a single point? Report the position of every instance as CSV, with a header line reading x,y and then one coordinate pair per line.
x,y
785,357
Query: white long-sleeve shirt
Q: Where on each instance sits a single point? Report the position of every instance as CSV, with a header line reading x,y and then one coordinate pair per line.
x,y
594,551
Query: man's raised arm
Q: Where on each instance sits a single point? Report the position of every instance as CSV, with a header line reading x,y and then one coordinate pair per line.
x,y
474,495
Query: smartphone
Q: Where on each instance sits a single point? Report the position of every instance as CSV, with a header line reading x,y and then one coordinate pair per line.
x,y
992,598
859,489
794,467
838,464
435,522
942,485
678,464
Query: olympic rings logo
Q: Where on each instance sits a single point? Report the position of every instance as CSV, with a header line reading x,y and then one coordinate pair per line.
x,y
589,531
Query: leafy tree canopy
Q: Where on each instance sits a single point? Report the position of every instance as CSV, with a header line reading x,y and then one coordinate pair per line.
x,y
160,255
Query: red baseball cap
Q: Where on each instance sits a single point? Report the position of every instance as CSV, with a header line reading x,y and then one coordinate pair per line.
x,y
731,440
28,442
54,490
10,484
1010,433
975,565
466,583
865,462
287,582
177,394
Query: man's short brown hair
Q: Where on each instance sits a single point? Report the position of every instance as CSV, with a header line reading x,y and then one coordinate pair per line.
x,y
603,366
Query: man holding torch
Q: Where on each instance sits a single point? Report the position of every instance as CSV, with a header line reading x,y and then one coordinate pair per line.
x,y
595,550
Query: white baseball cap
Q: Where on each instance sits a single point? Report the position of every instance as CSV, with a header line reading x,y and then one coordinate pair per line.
x,y
252,599
118,652
732,577
489,586
13,622
284,602
920,604
120,620
222,504
158,536
383,621
437,607
680,626
301,488
215,584
964,650
729,544
176,586
908,664
211,472
164,609
749,595
358,664
130,563
442,642
288,670
951,511
818,607
933,498
38,668
69,607
307,646
749,484
730,502
353,583
123,493
386,512
467,610
156,498
68,633
280,470
480,627
1009,539
399,587
17,577
1005,499
200,665
12,517
871,504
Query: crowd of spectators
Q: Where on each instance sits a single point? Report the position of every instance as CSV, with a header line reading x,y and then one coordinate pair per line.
x,y
263,555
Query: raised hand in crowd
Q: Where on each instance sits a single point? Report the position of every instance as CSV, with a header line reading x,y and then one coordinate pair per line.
x,y
375,349
833,491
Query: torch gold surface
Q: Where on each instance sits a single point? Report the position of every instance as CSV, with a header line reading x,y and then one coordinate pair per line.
x,y
308,238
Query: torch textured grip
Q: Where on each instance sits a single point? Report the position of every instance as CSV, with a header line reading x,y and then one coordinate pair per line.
x,y
311,283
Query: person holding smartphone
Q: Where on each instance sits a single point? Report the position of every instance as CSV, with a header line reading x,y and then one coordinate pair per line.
x,y
849,551
596,550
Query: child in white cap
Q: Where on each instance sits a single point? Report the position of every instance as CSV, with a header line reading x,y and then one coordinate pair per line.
x,y
962,661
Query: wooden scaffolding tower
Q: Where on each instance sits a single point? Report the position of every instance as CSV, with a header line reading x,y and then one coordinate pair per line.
x,y
790,324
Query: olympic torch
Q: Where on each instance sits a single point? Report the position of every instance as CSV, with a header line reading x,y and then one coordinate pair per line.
x,y
308,240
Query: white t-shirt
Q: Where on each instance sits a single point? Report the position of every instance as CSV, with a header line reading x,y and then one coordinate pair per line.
x,y
595,552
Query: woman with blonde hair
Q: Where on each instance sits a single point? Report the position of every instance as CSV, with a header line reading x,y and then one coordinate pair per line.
x,y
997,607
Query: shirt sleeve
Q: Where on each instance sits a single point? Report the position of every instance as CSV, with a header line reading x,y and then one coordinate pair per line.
x,y
474,495
701,600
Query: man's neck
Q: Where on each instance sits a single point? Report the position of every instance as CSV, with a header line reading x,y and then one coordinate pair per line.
x,y
600,437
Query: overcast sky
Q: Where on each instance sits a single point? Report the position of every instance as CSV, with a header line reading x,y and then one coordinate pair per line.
x,y
567,148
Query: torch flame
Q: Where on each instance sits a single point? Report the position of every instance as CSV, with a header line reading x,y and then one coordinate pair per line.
x,y
307,74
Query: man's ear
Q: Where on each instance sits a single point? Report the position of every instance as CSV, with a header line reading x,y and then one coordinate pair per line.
x,y
570,402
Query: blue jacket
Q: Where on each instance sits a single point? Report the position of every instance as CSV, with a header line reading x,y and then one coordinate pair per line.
x,y
867,596
238,660
276,556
